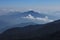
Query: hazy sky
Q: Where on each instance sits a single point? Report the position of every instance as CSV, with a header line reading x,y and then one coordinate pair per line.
x,y
41,5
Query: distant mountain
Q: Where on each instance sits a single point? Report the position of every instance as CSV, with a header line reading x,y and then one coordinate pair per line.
x,y
49,31
16,18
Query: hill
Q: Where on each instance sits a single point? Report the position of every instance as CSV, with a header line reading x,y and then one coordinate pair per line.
x,y
49,31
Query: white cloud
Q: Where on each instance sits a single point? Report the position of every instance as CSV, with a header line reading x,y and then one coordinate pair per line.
x,y
45,19
29,17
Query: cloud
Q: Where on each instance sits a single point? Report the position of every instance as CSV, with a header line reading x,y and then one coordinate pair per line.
x,y
29,17
45,19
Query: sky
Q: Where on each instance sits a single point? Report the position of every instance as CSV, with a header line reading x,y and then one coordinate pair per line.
x,y
22,5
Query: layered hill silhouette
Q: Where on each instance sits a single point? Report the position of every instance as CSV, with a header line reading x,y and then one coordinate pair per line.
x,y
17,25
49,31
16,18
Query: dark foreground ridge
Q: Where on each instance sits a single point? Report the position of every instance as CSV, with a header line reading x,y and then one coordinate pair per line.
x,y
49,31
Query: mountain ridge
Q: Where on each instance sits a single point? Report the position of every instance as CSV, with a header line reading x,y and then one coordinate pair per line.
x,y
43,33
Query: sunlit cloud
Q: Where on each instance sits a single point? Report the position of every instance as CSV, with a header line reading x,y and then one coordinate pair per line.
x,y
45,19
